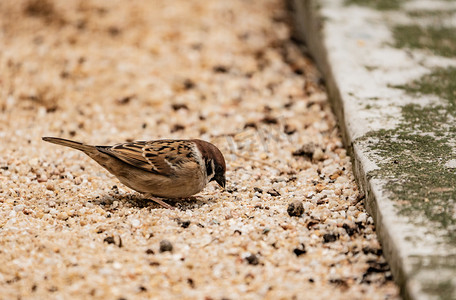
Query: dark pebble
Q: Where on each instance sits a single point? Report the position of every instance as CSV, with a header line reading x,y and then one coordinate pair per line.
x,y
289,129
166,245
350,231
295,208
231,189
114,31
177,106
220,69
273,193
257,189
185,224
250,125
300,250
377,252
252,259
339,282
270,120
306,151
191,282
177,127
109,240
124,100
150,251
142,289
189,84
182,223
330,237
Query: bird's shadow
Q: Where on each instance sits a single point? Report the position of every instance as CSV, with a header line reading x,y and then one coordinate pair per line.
x,y
135,200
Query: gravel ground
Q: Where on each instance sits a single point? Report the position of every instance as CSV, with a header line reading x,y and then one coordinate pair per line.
x,y
291,223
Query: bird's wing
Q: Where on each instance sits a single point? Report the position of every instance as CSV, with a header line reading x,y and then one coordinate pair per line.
x,y
161,157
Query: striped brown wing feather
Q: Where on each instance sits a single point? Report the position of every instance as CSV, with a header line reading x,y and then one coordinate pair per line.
x,y
159,157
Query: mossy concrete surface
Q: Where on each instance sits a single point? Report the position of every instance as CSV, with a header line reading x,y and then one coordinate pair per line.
x,y
390,68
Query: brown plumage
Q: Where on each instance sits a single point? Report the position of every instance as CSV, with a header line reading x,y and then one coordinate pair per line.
x,y
160,168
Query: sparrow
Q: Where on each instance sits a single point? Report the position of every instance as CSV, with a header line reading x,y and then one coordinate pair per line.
x,y
159,168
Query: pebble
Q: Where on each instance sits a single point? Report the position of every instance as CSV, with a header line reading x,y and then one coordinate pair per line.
x,y
318,155
62,216
19,207
165,246
135,222
298,251
330,237
295,208
252,259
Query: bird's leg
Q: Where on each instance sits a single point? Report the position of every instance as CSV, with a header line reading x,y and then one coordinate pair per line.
x,y
159,201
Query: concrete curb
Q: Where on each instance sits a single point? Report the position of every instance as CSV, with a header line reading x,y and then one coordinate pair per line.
x,y
344,42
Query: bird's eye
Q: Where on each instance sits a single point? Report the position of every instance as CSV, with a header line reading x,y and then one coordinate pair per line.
x,y
218,169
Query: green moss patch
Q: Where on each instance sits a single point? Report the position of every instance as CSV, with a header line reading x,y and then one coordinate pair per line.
x,y
431,14
378,4
442,290
440,82
438,39
414,154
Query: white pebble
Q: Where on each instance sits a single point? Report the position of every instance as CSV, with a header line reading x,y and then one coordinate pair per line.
x,y
135,222
362,217
19,207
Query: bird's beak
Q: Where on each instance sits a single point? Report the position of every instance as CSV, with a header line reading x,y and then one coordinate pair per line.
x,y
221,180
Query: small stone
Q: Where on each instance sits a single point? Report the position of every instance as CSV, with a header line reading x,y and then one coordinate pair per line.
x,y
350,230
273,193
306,151
289,129
178,106
257,189
165,246
319,187
189,84
295,208
33,162
191,282
109,240
335,175
270,120
318,155
300,250
135,222
142,289
183,224
220,69
362,218
252,259
62,216
177,127
19,207
330,237
150,251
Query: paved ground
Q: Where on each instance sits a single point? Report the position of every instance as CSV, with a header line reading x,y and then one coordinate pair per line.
x,y
390,68
224,71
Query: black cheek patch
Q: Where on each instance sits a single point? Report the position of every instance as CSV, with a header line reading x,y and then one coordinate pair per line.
x,y
209,170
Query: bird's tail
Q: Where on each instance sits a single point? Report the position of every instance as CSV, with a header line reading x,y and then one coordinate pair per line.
x,y
72,144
